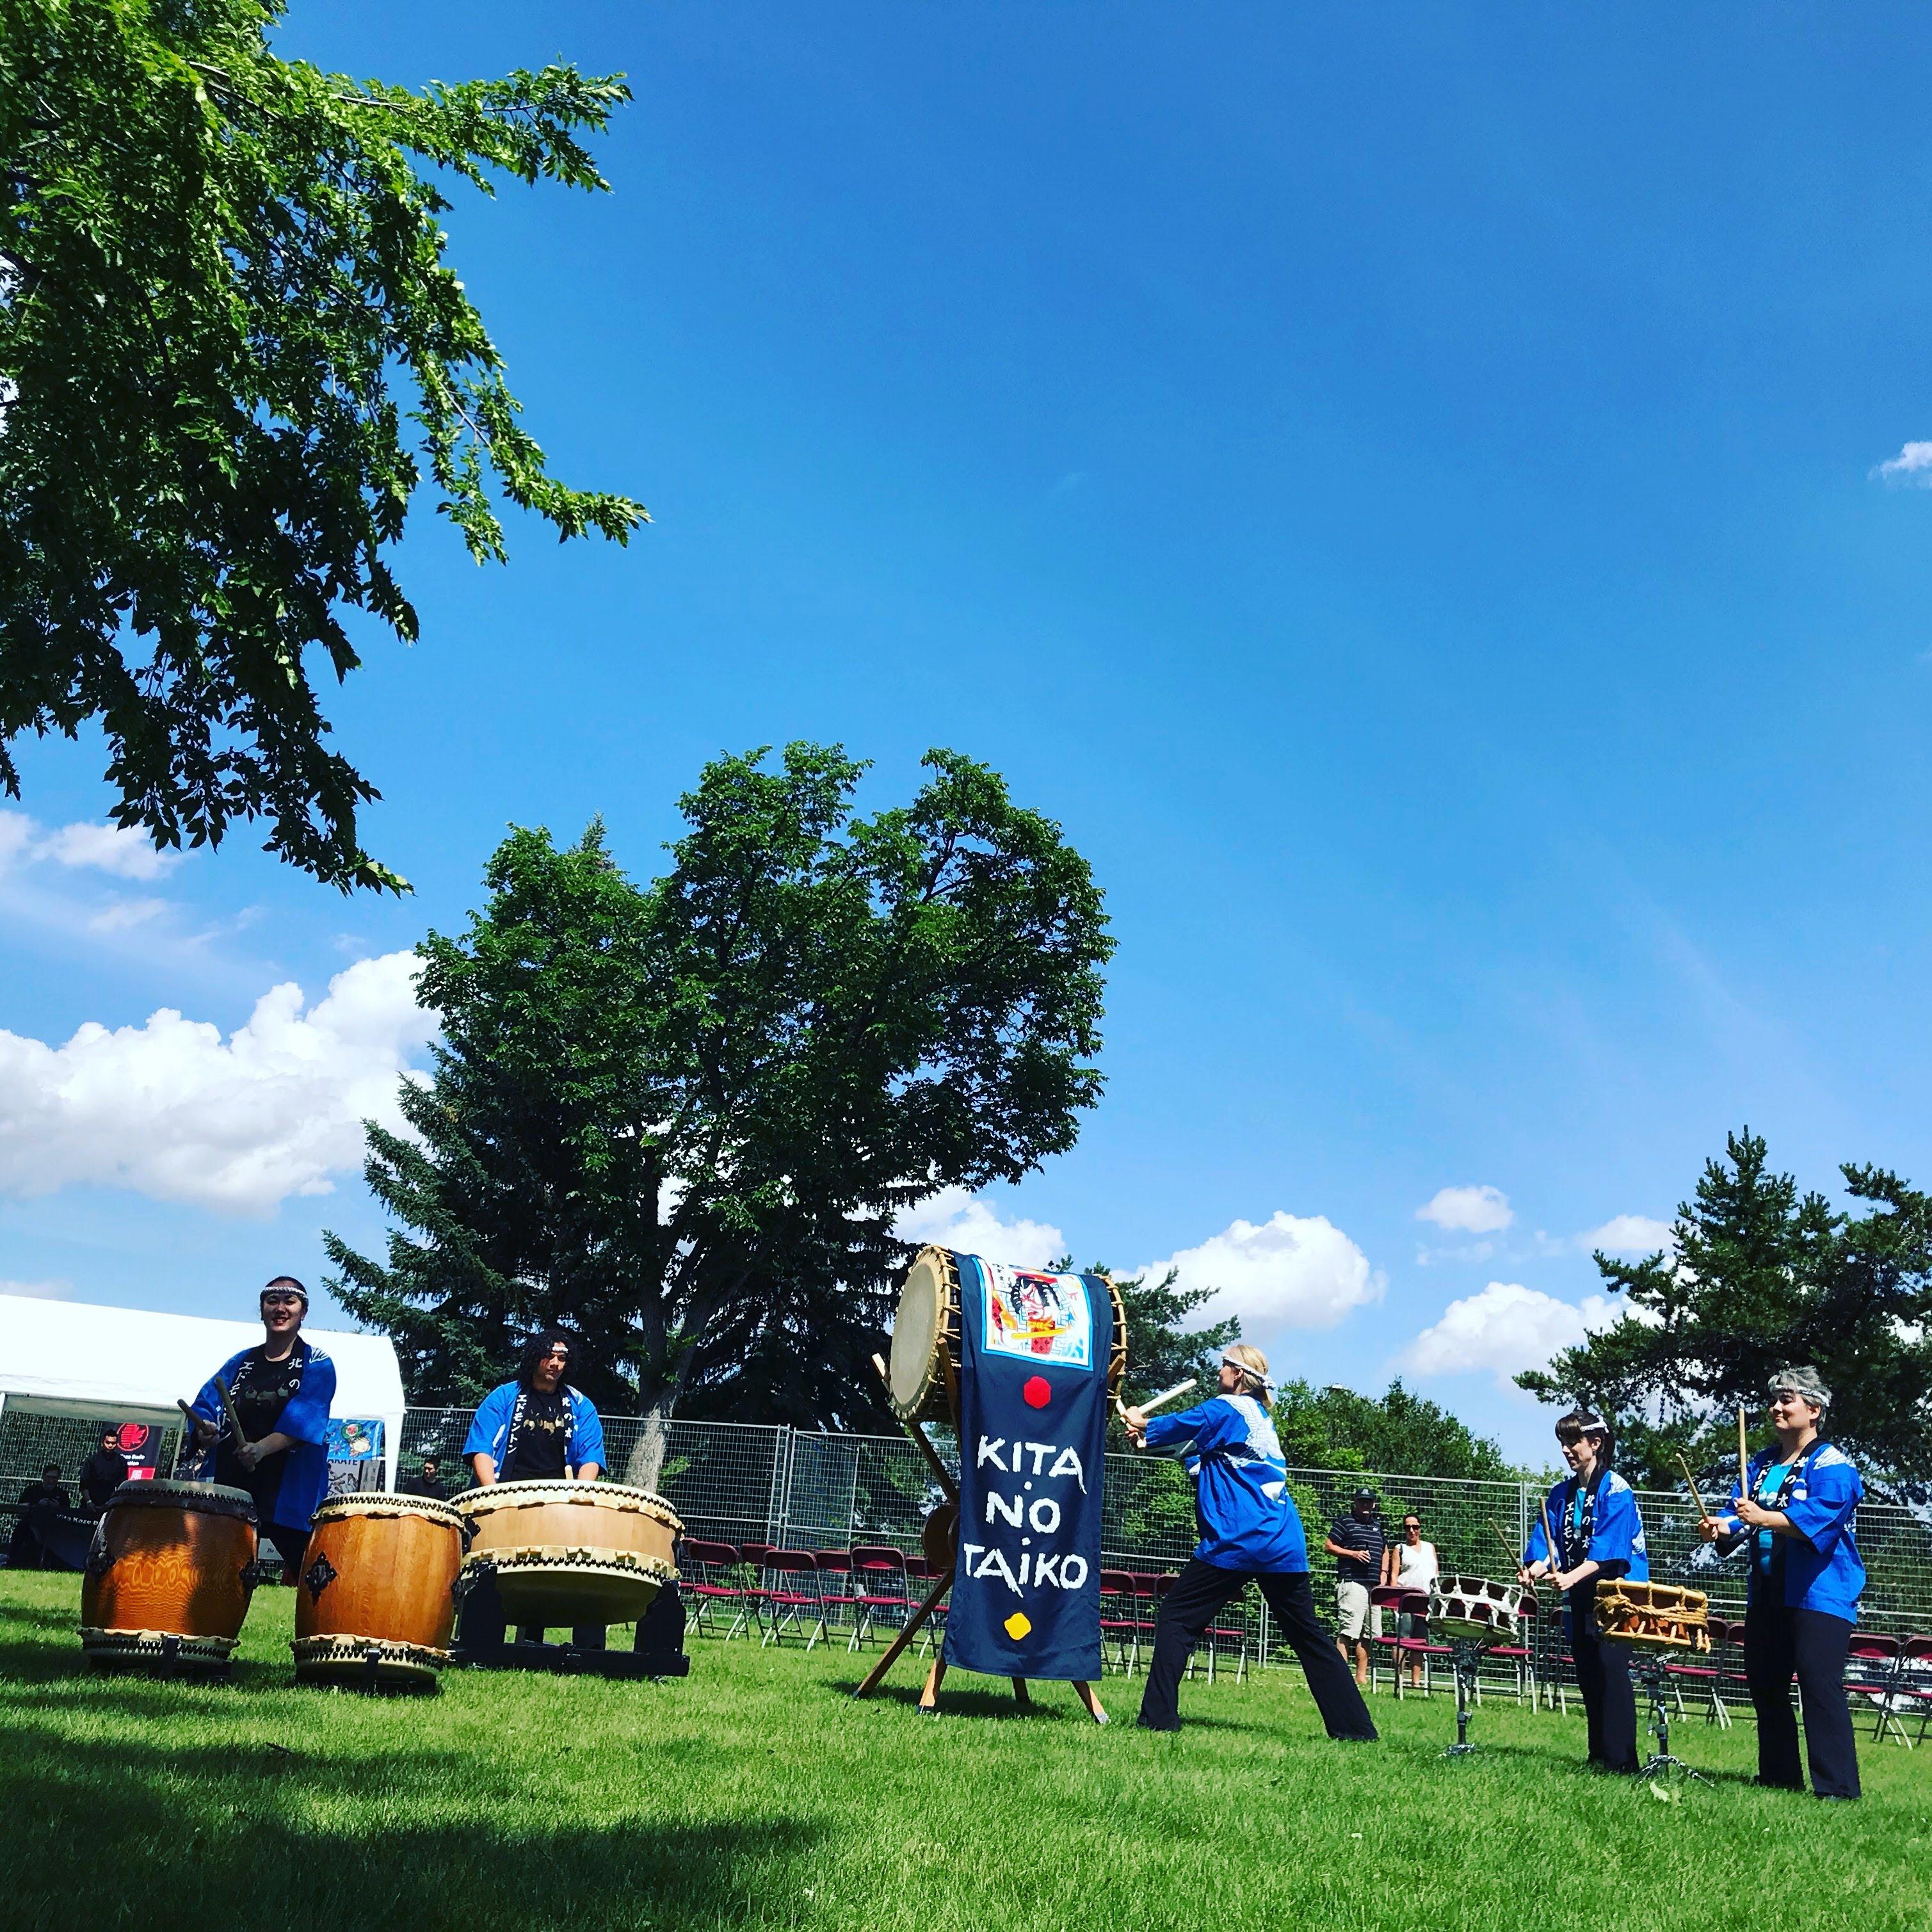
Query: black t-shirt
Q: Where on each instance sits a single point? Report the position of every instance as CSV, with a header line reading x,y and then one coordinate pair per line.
x,y
539,1450
42,1498
1370,1538
101,1475
261,1390
424,1484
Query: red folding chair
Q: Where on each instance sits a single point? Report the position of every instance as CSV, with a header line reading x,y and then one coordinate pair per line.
x,y
709,1578
1221,1635
789,1595
1384,1606
835,1586
755,1553
881,1593
1872,1670
1120,1619
1915,1679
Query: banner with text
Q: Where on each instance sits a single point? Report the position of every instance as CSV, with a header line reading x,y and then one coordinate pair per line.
x,y
1033,1422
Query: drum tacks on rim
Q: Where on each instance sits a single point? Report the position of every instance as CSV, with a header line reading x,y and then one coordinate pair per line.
x,y
571,1552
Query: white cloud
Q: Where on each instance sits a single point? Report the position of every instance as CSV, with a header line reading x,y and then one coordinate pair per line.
x,y
954,1219
122,915
173,1111
1912,466
100,848
1627,1234
40,1291
1473,1210
1506,1328
108,848
1286,1272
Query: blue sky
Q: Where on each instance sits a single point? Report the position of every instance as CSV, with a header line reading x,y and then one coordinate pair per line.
x,y
1403,489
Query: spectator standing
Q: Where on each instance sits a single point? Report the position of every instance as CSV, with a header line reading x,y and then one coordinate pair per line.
x,y
103,1472
1358,1542
40,1503
427,1481
1412,1565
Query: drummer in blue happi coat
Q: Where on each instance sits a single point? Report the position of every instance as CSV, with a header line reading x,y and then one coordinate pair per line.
x,y
1806,1579
1593,1514
281,1390
1250,1530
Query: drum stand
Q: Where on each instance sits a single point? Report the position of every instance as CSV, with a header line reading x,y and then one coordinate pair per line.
x,y
1649,1671
942,1556
1466,1653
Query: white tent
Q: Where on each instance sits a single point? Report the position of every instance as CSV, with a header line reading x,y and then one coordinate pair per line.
x,y
129,1364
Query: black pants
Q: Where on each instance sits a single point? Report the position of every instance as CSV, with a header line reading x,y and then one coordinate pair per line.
x,y
1781,1643
485,1627
1603,1679
1199,1592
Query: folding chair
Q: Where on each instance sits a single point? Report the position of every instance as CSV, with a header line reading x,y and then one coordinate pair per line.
x,y
835,1586
1709,1677
1385,1606
1915,1678
1872,1669
1220,1635
881,1592
1120,1619
755,1553
789,1594
709,1579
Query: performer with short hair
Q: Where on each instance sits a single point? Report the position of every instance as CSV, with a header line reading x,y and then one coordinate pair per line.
x,y
1806,1578
282,1390
536,1428
1593,1513
1250,1529
103,1472
41,1505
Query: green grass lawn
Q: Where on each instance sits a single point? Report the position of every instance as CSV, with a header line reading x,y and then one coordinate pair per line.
x,y
756,1792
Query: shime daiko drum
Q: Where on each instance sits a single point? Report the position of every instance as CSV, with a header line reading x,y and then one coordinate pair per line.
x,y
1475,1609
923,1374
571,1552
169,1576
1653,1616
375,1600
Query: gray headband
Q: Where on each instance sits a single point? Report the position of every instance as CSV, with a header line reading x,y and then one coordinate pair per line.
x,y
1805,1381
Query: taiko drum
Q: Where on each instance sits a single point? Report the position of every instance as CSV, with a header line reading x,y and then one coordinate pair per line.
x,y
376,1601
571,1552
168,1575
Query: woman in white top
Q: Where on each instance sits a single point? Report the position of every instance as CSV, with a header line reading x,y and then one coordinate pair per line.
x,y
1412,1566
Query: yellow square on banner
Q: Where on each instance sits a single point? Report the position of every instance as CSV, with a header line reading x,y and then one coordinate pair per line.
x,y
1018,1624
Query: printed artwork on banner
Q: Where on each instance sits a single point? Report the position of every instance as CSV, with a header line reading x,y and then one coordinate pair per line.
x,y
1033,1398
352,1441
1045,1317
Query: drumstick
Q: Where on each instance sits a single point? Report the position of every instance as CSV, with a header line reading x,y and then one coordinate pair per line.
x,y
234,1419
1693,1481
1515,1554
1549,1539
1743,1455
1154,1402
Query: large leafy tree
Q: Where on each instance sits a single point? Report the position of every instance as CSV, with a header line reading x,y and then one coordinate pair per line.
x,y
682,1118
230,346
1761,1276
1398,1431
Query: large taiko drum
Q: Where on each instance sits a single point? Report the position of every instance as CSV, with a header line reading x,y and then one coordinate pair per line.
x,y
922,1376
1653,1616
168,1575
571,1552
1474,1609
376,1600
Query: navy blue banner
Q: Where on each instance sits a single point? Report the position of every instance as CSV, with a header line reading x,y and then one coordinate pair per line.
x,y
1032,1402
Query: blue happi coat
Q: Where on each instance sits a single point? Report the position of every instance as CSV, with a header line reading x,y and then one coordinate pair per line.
x,y
1248,1519
1616,1542
1822,1568
305,1417
490,1427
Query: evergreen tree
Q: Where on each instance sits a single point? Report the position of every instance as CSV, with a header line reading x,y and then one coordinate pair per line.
x,y
1761,1276
682,1120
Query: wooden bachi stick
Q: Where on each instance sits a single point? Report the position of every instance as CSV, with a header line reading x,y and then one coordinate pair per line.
x,y
1693,1481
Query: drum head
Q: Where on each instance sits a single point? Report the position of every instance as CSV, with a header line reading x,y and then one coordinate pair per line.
x,y
916,1332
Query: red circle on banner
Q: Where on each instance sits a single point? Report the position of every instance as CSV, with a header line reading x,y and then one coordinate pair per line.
x,y
1037,1392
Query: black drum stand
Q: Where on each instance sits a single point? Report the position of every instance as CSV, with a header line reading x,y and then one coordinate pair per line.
x,y
1648,1669
1466,1654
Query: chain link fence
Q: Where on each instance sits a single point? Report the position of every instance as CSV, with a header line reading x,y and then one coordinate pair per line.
x,y
744,1482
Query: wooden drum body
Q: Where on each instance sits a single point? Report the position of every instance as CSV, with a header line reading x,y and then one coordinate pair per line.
x,y
168,1575
375,1600
1473,1608
1653,1616
922,1376
571,1552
